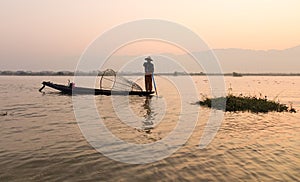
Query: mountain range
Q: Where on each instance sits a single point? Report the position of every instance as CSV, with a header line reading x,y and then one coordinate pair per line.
x,y
231,60
259,61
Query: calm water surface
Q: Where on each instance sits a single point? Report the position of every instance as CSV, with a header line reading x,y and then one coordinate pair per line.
x,y
41,140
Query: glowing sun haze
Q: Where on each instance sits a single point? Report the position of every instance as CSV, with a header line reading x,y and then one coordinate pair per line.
x,y
51,35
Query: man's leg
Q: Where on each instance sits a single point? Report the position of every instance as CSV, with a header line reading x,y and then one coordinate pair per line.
x,y
150,82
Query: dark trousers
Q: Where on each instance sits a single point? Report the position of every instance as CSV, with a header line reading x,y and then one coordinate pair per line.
x,y
148,82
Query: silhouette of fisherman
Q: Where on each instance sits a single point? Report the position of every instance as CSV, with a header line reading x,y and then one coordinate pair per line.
x,y
149,69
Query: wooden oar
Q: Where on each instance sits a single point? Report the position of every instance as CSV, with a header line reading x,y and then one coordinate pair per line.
x,y
154,84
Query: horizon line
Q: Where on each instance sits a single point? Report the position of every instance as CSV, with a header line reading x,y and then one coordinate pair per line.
x,y
175,73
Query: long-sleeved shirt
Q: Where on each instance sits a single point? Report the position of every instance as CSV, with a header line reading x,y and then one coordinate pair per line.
x,y
149,67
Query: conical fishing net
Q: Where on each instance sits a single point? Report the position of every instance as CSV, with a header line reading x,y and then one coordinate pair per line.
x,y
112,81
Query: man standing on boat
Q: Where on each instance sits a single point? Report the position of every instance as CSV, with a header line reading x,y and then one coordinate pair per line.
x,y
149,69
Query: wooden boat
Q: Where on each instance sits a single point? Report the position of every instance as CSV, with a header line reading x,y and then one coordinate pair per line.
x,y
81,90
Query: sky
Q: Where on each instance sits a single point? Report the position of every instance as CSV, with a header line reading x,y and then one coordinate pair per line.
x,y
51,35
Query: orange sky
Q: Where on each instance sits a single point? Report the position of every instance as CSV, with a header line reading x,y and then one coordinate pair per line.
x,y
42,30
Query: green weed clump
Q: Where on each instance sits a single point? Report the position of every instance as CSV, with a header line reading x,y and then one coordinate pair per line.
x,y
243,103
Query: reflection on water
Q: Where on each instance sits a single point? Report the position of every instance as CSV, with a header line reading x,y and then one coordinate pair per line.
x,y
149,118
41,141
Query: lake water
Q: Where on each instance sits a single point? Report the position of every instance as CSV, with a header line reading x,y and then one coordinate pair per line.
x,y
41,140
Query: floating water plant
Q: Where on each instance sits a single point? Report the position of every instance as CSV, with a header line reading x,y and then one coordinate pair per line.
x,y
245,103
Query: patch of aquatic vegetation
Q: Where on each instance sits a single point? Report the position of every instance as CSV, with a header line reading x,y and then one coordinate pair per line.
x,y
233,103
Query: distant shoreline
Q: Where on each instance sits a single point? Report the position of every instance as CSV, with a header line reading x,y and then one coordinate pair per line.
x,y
99,73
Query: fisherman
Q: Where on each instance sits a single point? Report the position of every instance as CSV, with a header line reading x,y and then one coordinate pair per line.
x,y
71,84
149,69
